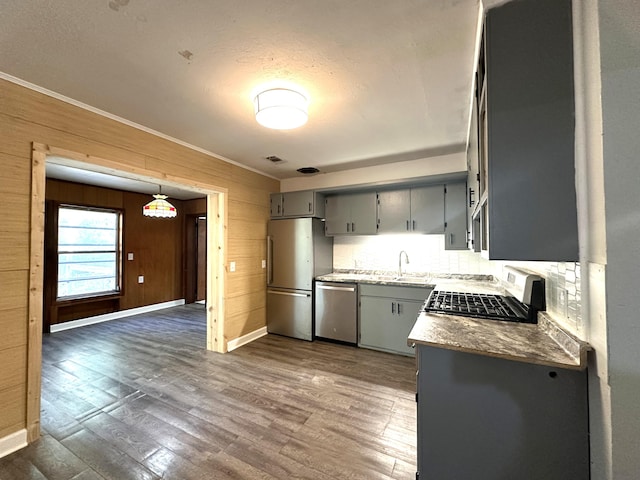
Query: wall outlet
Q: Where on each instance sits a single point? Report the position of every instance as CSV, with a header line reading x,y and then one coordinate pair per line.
x,y
130,256
264,264
140,278
232,266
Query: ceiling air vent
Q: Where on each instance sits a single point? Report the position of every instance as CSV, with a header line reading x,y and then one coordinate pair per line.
x,y
274,159
308,170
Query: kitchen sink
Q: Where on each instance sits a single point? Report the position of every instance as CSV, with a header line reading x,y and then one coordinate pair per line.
x,y
403,278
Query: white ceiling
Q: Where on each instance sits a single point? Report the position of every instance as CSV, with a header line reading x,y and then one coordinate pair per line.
x,y
388,80
62,169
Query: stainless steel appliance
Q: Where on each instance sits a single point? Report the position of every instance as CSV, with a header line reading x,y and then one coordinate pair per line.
x,y
525,297
297,251
336,311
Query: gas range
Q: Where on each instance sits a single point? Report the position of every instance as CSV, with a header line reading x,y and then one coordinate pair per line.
x,y
525,296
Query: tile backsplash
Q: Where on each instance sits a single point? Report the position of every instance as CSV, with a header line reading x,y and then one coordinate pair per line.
x,y
427,255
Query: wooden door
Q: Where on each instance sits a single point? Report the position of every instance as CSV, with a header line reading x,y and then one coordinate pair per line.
x,y
201,269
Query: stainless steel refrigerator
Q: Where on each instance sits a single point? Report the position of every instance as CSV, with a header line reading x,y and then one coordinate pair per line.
x,y
297,252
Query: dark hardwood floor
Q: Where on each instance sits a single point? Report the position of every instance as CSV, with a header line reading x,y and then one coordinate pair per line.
x,y
141,398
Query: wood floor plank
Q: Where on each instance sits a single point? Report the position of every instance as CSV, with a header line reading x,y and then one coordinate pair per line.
x,y
135,443
106,459
141,398
53,460
274,464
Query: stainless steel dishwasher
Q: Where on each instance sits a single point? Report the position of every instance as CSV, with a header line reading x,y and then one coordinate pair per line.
x,y
336,311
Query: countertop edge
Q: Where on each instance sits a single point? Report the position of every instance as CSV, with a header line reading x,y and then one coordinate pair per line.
x,y
571,344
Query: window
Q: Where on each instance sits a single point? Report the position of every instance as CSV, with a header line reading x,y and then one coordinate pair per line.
x,y
88,251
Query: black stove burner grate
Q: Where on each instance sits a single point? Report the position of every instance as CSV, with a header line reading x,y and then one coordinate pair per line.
x,y
490,306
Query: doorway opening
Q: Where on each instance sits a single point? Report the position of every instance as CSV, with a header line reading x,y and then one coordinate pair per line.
x,y
195,279
214,253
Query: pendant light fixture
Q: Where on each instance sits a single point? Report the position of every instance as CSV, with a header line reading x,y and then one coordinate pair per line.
x,y
281,108
159,207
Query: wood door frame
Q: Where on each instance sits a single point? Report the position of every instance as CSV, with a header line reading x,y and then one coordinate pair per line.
x,y
191,263
217,200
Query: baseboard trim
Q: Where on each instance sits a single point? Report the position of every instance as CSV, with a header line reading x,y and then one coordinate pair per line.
x,y
13,442
81,322
244,339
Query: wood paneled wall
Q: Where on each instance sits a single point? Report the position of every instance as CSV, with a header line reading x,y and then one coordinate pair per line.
x,y
27,116
156,245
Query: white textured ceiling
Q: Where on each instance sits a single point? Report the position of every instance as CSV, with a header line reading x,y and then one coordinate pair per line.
x,y
388,80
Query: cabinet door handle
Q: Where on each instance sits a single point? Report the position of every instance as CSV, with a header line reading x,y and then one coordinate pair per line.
x,y
393,308
451,239
414,224
353,227
408,228
309,207
347,227
472,200
399,308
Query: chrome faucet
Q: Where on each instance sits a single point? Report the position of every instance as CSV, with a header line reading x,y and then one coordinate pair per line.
x,y
400,261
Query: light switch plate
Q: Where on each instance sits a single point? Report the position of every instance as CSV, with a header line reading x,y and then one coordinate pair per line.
x,y
130,256
140,278
264,264
232,266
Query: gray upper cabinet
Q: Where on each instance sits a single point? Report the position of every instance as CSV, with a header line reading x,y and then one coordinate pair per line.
x,y
415,210
530,207
394,211
351,214
455,213
276,205
427,209
305,203
473,179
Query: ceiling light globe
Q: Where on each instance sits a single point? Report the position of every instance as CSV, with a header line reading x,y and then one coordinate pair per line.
x,y
281,109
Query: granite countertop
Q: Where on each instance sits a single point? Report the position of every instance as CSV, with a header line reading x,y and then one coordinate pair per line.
x,y
383,277
544,343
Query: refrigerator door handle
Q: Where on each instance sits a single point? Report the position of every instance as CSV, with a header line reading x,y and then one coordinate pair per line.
x,y
289,294
269,260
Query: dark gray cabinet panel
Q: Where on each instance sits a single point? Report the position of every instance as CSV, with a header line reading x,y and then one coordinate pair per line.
x,y
487,418
455,213
530,131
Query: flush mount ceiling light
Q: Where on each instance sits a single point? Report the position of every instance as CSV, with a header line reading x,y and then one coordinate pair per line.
x,y
281,108
159,207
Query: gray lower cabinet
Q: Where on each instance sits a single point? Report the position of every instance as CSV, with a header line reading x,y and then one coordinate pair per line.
x,y
387,314
488,418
